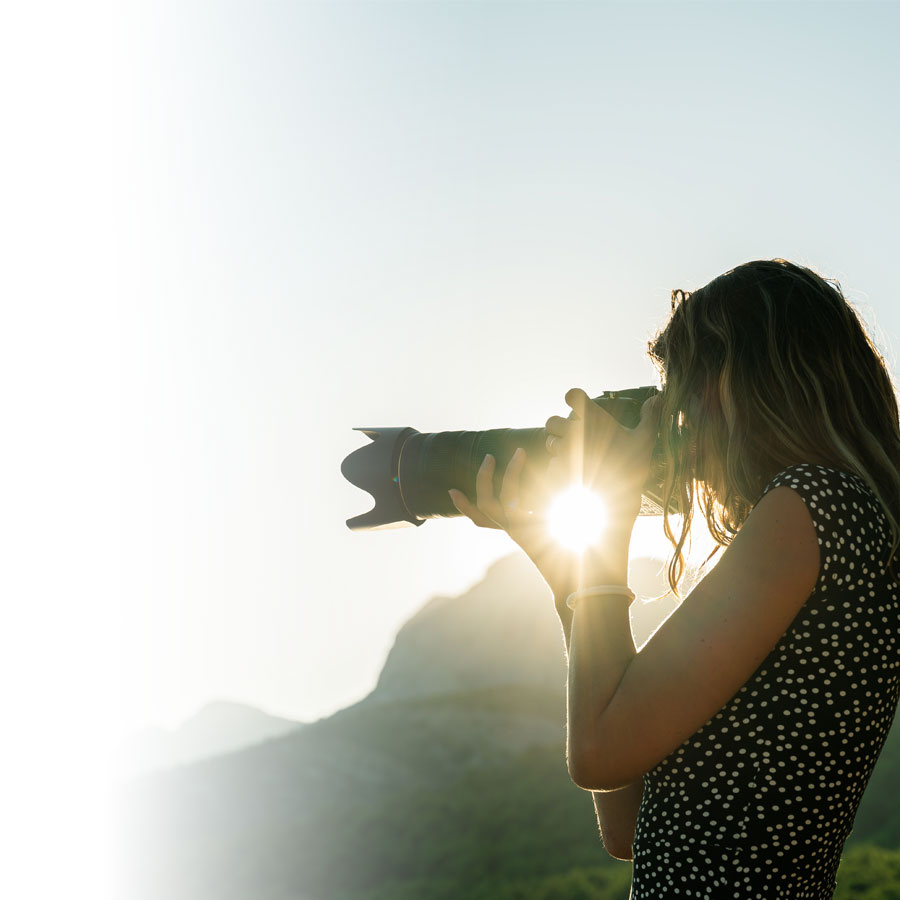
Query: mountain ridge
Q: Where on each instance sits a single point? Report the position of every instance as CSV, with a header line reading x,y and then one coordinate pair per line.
x,y
449,779
219,727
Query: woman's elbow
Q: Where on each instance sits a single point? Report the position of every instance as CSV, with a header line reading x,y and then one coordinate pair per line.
x,y
584,776
590,773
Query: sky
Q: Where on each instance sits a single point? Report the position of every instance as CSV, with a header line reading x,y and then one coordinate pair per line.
x,y
234,231
437,215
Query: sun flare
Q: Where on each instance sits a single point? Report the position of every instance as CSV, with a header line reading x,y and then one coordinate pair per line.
x,y
577,518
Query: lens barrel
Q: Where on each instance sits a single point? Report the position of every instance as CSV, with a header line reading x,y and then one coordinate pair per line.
x,y
408,473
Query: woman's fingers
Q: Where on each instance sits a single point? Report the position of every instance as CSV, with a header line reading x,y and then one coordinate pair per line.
x,y
509,490
648,427
557,429
578,400
650,411
490,511
484,487
462,503
591,439
558,425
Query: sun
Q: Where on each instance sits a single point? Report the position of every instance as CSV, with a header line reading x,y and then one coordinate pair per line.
x,y
577,518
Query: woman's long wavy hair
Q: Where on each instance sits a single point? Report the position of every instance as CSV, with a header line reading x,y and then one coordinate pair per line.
x,y
767,366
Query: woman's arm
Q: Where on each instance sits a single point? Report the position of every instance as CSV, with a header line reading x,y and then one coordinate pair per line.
x,y
625,715
617,811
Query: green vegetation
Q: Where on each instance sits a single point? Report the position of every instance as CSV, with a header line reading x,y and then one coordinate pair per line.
x,y
508,825
436,798
522,831
878,818
598,883
869,873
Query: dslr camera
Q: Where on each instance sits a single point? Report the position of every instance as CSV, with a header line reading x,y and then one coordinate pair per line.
x,y
409,473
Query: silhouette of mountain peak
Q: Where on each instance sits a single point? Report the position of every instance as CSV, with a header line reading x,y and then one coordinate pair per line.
x,y
503,630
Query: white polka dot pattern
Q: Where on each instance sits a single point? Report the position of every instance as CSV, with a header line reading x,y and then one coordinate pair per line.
x,y
759,801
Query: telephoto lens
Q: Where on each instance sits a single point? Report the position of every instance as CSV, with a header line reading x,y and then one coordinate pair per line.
x,y
409,473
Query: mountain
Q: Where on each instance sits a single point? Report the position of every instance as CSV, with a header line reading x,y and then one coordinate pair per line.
x,y
502,631
448,781
470,684
218,728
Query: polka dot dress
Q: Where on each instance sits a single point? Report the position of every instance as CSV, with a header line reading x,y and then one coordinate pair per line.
x,y
759,801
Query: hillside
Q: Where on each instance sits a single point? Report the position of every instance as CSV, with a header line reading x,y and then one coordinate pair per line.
x,y
449,780
218,728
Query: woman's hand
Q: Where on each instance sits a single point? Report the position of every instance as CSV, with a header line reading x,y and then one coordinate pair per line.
x,y
593,449
558,566
590,447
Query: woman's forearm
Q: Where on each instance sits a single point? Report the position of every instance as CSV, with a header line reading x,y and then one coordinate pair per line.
x,y
591,569
617,813
600,648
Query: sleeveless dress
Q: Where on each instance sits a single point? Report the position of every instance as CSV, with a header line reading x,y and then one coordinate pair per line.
x,y
758,802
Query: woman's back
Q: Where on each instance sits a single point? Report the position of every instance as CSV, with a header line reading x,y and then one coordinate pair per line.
x,y
759,801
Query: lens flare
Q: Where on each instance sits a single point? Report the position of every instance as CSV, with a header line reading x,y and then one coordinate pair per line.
x,y
577,518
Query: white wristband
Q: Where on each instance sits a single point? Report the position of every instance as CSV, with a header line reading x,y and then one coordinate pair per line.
x,y
600,590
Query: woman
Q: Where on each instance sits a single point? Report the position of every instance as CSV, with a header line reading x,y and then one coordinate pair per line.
x,y
729,756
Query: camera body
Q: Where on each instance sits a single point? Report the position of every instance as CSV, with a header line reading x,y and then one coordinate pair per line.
x,y
409,473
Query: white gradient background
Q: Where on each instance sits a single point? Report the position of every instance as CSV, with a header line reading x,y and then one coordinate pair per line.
x,y
440,215
240,229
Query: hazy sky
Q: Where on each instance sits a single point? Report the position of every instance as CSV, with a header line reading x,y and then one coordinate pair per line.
x,y
441,215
